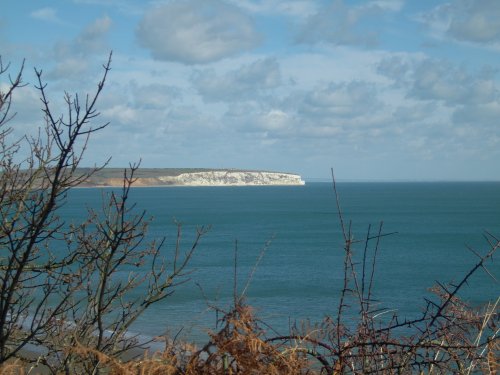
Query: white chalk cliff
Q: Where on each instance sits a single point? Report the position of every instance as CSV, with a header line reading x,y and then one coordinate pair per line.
x,y
232,178
208,177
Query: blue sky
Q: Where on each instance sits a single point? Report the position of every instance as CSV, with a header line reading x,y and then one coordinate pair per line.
x,y
378,90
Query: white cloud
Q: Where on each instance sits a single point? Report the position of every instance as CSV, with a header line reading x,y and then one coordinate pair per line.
x,y
124,6
439,80
270,124
293,8
250,105
434,80
133,106
26,110
46,14
397,68
247,82
475,21
73,57
123,114
154,96
189,121
342,24
92,38
69,67
344,100
275,119
347,111
336,23
413,113
480,115
391,5
194,32
449,111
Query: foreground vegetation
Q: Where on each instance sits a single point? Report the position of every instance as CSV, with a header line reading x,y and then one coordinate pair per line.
x,y
60,293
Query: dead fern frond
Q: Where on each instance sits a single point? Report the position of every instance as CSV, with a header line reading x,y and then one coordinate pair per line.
x,y
15,367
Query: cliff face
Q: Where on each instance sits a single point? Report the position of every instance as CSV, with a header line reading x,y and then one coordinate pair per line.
x,y
234,178
207,178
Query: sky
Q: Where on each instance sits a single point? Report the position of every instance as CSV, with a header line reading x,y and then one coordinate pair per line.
x,y
375,89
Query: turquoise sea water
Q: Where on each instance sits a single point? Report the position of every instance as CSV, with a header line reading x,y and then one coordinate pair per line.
x,y
300,274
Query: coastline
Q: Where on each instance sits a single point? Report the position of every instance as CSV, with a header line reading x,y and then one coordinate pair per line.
x,y
183,185
196,178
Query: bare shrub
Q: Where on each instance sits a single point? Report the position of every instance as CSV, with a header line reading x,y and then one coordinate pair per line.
x,y
449,336
67,285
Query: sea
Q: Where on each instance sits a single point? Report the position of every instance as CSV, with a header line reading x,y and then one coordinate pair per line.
x,y
282,248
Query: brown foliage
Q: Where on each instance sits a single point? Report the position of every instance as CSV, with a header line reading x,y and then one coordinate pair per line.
x,y
241,348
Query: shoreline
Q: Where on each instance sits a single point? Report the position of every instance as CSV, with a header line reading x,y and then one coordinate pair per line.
x,y
183,185
157,178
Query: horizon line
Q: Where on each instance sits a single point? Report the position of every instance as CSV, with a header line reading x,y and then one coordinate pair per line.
x,y
382,180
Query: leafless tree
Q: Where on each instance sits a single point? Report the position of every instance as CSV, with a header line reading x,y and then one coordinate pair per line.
x,y
62,283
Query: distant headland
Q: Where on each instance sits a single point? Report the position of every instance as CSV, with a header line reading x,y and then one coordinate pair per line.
x,y
146,177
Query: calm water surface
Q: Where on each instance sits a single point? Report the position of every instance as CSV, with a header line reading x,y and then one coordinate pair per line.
x,y
300,274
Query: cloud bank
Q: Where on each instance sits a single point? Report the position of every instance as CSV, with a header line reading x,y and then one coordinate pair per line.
x,y
194,32
377,89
